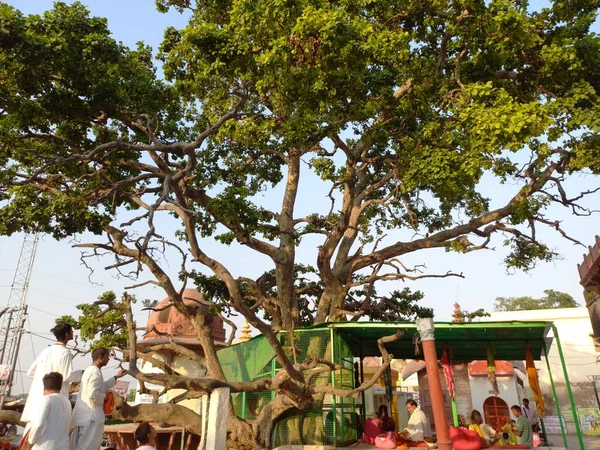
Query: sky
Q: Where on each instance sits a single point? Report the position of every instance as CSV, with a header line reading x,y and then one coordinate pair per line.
x,y
59,280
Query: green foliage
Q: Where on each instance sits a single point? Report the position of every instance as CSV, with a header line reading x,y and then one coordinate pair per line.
x,y
67,89
467,316
398,306
98,326
551,300
405,111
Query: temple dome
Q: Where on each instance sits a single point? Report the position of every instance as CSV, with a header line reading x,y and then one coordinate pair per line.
x,y
167,320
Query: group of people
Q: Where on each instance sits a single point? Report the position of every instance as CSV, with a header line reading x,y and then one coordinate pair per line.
x,y
519,431
52,424
417,430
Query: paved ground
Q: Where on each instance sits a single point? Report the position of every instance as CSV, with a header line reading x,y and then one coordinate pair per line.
x,y
591,443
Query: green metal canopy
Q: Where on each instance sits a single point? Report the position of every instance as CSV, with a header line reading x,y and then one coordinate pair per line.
x,y
468,341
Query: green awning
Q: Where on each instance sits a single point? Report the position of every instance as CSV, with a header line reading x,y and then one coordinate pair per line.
x,y
469,341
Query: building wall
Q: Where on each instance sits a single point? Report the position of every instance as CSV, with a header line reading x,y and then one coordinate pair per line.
x,y
182,365
481,389
575,333
462,387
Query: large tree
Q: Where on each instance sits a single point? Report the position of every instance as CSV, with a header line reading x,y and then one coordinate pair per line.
x,y
401,109
552,299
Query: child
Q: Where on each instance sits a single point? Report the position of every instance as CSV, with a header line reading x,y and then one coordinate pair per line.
x,y
507,437
50,424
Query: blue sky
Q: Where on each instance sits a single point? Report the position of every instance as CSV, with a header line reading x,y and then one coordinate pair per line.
x,y
59,281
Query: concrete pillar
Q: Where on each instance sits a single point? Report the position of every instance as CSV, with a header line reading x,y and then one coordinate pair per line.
x,y
425,328
204,413
218,412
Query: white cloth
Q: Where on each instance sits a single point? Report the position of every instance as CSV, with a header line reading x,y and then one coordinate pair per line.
x,y
49,425
88,415
489,434
530,414
145,447
56,358
88,437
418,425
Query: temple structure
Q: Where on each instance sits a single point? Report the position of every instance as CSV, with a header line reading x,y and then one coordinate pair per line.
x,y
589,273
166,325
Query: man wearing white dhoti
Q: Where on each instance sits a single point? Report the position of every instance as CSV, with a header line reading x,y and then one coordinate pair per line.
x,y
49,426
56,358
88,415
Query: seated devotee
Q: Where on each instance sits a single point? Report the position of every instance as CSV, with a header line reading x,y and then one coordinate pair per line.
x,y
418,428
485,431
507,437
381,425
386,423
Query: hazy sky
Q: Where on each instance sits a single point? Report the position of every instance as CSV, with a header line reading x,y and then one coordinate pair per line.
x,y
59,281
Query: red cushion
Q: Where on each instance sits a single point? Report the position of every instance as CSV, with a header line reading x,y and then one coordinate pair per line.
x,y
463,439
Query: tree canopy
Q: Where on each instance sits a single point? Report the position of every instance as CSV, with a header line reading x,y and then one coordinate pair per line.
x,y
551,300
401,109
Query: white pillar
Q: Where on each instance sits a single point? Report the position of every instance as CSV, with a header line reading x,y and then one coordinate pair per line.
x,y
218,412
204,413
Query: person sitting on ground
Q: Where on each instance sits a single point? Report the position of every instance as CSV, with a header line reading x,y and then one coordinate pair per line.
x,y
507,437
386,423
145,436
418,425
485,432
522,427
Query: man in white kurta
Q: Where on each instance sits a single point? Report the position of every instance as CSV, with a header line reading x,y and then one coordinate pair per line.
x,y
418,427
56,358
49,425
88,415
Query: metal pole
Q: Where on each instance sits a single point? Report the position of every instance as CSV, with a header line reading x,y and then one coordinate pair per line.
x,y
333,399
342,421
544,430
454,411
6,333
16,352
362,380
556,403
569,391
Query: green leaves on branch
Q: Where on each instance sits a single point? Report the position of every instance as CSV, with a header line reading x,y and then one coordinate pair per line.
x,y
99,327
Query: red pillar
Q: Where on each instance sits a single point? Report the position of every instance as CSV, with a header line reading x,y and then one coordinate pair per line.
x,y
425,328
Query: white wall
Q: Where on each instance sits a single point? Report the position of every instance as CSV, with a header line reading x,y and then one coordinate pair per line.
x,y
182,365
481,389
574,329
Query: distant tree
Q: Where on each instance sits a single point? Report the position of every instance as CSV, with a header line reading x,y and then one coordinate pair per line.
x,y
467,316
131,395
551,300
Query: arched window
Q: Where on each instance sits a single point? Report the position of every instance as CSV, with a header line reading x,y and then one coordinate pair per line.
x,y
495,412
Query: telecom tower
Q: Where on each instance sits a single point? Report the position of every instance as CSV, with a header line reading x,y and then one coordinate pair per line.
x,y
14,315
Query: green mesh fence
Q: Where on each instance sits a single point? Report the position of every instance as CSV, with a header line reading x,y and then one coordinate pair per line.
x,y
335,419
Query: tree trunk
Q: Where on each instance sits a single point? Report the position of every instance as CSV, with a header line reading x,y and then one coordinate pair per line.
x,y
331,302
288,303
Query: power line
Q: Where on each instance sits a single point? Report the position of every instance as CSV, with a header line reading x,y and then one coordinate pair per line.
x,y
63,279
55,295
43,311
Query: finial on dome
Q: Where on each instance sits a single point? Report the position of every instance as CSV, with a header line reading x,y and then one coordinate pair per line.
x,y
245,335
